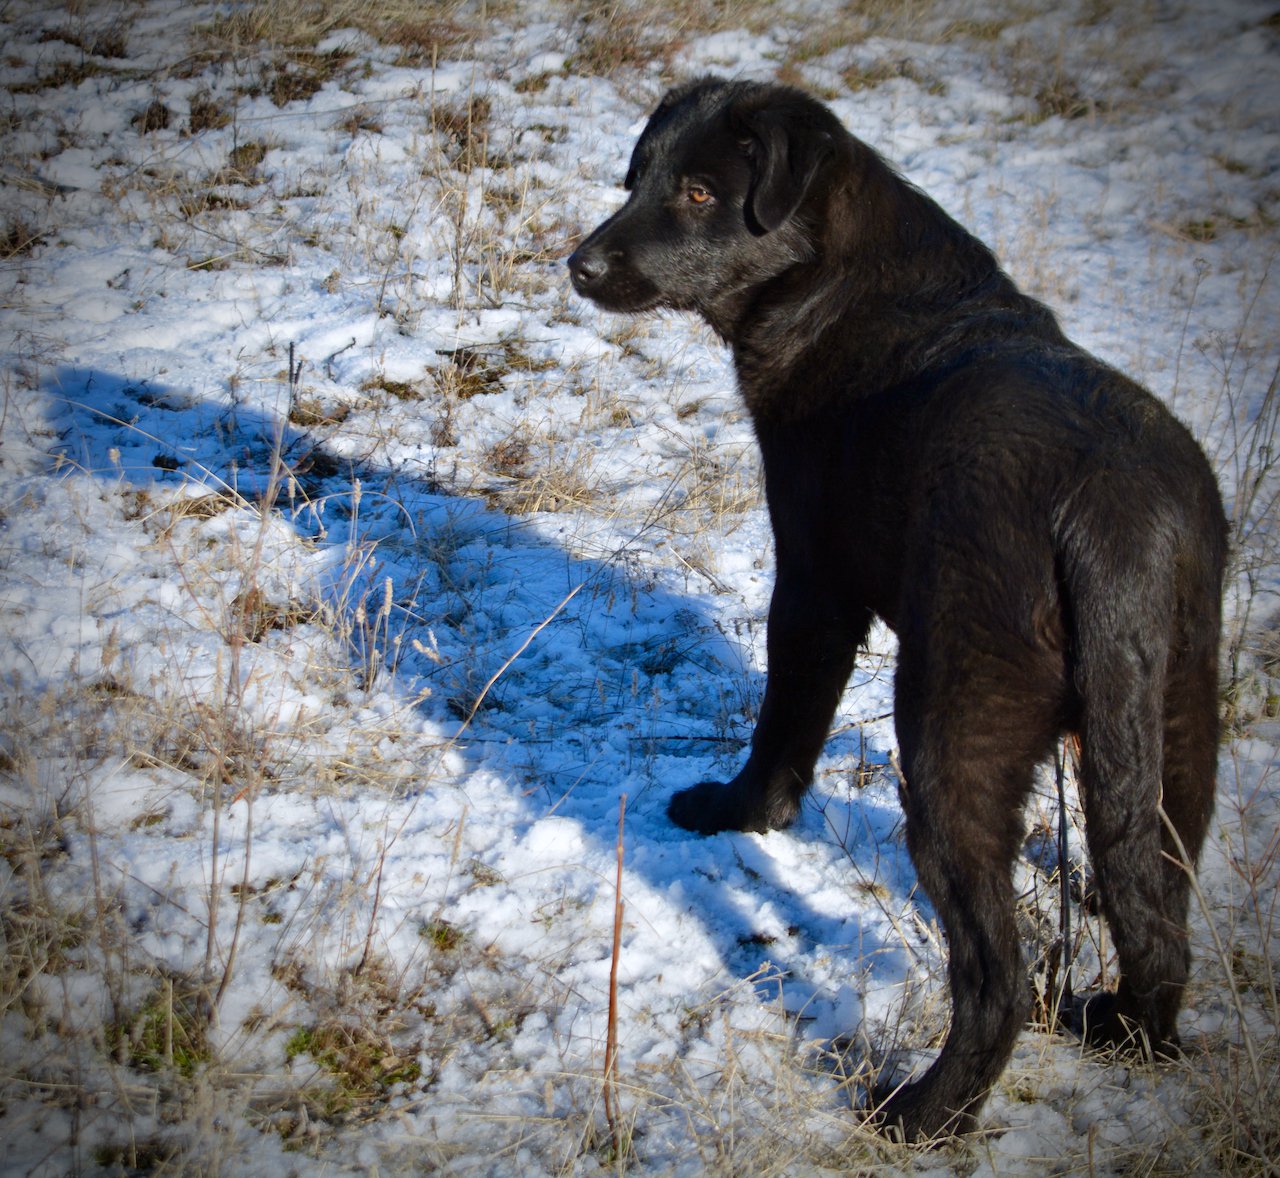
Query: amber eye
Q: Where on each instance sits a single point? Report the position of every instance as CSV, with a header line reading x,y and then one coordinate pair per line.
x,y
699,195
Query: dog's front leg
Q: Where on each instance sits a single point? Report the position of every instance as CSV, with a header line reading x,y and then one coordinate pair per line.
x,y
811,647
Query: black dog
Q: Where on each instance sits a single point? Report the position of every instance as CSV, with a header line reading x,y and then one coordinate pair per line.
x,y
1047,541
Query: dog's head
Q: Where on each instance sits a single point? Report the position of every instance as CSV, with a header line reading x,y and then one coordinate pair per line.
x,y
719,181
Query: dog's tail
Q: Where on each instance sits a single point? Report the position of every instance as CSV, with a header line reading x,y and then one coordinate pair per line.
x,y
1141,569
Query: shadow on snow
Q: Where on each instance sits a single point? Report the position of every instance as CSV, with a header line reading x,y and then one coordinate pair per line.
x,y
624,687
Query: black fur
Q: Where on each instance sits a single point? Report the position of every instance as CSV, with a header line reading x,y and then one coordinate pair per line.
x,y
1045,538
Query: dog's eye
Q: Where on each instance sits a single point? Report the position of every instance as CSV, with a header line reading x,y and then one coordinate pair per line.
x,y
698,195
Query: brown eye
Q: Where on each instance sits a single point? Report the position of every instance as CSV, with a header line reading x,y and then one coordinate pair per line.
x,y
699,195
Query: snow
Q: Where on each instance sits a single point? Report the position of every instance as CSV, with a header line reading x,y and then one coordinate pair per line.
x,y
352,571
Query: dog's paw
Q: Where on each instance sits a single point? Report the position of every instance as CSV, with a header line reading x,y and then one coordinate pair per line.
x,y
705,808
1102,1023
712,806
913,1116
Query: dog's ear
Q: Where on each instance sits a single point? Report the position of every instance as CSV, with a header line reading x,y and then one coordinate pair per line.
x,y
786,152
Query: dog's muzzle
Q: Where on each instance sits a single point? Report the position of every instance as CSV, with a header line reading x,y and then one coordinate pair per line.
x,y
604,269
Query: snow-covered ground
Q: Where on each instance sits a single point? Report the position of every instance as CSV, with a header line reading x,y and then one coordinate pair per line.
x,y
354,572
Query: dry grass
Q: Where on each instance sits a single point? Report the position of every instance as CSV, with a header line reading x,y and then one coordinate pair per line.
x,y
18,238
352,1036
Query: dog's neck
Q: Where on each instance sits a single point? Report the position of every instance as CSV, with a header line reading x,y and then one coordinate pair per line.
x,y
877,310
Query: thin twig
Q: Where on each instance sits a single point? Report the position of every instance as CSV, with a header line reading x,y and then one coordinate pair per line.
x,y
611,1040
1183,860
1064,996
542,625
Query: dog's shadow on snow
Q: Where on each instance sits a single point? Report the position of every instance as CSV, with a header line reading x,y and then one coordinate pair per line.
x,y
624,686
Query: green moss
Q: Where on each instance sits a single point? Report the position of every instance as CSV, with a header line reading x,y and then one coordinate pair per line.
x,y
168,1032
443,935
362,1065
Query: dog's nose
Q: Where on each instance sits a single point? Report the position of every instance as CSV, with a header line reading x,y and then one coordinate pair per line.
x,y
587,268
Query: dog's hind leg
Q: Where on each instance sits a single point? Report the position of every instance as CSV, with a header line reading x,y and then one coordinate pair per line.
x,y
969,750
1191,731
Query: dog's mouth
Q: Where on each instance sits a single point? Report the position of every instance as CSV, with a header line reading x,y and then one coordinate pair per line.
x,y
625,305
609,283
620,296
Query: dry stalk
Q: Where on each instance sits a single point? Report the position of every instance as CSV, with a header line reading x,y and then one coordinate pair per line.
x,y
542,625
611,1039
1183,861
233,706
